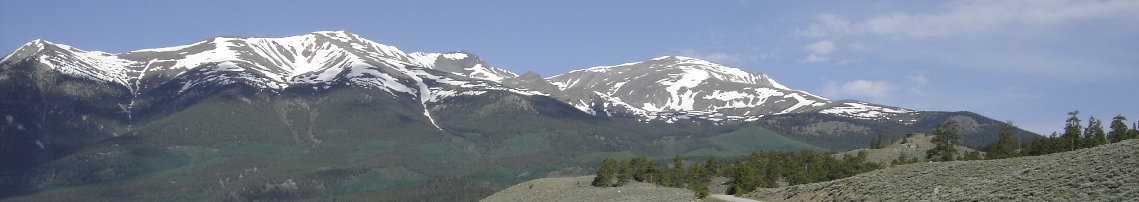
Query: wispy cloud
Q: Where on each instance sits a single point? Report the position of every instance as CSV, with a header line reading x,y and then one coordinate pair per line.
x,y
821,47
878,90
1014,37
968,17
818,51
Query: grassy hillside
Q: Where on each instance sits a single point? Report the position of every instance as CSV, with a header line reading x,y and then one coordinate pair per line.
x,y
1103,173
843,133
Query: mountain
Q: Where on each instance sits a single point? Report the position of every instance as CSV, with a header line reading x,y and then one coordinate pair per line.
x,y
330,114
680,84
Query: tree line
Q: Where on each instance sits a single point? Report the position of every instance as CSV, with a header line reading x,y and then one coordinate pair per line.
x,y
1076,136
760,169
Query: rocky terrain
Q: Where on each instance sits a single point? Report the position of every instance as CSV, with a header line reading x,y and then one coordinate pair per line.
x,y
1104,173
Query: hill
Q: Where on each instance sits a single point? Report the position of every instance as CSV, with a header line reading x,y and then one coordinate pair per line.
x,y
914,145
1100,173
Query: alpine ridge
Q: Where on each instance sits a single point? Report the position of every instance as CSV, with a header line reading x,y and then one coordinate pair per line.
x,y
669,88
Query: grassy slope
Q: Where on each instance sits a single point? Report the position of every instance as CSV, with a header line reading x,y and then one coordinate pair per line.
x,y
754,138
1103,173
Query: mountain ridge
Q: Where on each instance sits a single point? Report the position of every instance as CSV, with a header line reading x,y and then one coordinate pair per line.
x,y
680,86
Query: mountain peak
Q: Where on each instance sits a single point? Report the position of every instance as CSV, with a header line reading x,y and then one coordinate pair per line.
x,y
676,58
530,75
27,49
334,33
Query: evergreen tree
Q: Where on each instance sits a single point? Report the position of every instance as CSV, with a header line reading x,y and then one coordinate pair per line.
x,y
1007,144
666,177
1134,132
699,188
1118,129
945,136
773,171
700,173
642,169
1094,135
1072,129
606,173
744,180
713,166
624,172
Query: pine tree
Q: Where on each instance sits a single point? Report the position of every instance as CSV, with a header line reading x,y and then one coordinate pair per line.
x,y
699,188
606,173
744,180
1007,144
713,166
1118,129
665,177
1134,132
945,136
624,172
1094,134
1072,129
642,169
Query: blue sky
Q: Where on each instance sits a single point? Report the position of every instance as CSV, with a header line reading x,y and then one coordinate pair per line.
x,y
1028,61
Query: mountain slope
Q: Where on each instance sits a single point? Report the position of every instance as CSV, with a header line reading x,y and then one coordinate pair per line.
x,y
680,84
1098,173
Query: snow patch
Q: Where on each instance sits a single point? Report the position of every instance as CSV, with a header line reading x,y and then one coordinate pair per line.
x,y
864,111
455,56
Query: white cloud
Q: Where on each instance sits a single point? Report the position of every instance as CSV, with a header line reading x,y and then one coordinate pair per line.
x,y
812,58
861,89
821,47
826,25
819,51
968,17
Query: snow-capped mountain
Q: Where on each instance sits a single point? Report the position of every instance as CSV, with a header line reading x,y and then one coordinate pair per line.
x,y
664,88
315,60
675,84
